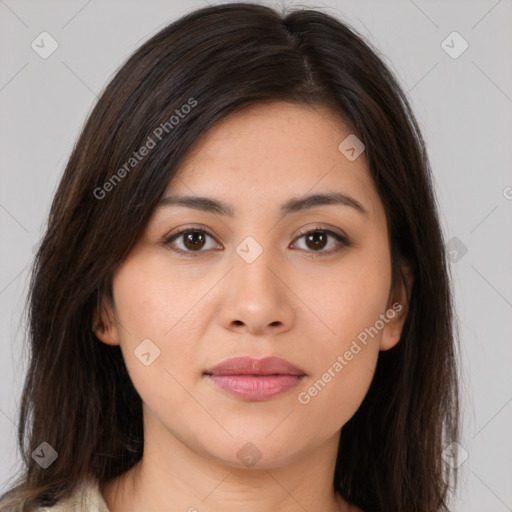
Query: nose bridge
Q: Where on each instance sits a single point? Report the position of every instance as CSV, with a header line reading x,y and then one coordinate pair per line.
x,y
257,297
252,263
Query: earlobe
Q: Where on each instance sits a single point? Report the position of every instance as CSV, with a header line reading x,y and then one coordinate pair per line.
x,y
397,310
104,324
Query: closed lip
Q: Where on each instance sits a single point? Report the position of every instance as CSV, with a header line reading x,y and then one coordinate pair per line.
x,y
247,365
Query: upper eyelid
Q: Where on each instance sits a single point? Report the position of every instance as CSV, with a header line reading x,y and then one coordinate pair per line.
x,y
180,232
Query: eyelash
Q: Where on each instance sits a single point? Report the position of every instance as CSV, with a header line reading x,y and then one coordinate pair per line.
x,y
343,241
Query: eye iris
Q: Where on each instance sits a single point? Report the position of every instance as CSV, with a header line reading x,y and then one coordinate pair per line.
x,y
313,237
192,238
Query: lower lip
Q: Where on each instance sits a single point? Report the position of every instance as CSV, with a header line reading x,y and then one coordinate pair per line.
x,y
256,388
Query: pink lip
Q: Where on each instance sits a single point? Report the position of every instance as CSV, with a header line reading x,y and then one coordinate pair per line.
x,y
255,379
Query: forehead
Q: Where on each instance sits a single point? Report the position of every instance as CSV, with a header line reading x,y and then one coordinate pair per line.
x,y
271,152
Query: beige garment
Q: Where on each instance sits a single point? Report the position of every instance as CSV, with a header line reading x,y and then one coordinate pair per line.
x,y
86,498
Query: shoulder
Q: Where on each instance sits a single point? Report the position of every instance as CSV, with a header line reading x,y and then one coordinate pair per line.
x,y
85,498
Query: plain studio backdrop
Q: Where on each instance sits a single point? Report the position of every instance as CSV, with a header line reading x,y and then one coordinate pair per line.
x,y
453,59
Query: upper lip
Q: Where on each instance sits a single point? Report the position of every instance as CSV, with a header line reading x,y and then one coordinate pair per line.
x,y
246,365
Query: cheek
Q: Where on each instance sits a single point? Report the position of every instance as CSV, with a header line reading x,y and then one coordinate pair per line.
x,y
348,296
349,301
155,350
152,297
156,324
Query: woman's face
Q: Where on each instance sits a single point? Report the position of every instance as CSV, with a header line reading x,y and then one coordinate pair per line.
x,y
251,283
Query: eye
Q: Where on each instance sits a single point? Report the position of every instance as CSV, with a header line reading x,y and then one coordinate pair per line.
x,y
317,239
192,241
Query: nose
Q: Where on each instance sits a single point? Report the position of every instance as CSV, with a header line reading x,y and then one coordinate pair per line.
x,y
256,298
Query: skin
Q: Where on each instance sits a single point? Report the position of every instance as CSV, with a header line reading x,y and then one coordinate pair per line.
x,y
199,310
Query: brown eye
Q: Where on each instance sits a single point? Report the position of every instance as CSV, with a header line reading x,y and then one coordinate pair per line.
x,y
316,240
191,241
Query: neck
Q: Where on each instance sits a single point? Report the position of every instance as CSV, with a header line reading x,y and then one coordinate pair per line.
x,y
172,475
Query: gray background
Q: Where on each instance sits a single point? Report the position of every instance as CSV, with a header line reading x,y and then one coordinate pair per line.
x,y
464,106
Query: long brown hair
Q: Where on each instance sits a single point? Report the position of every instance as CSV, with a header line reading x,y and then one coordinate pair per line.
x,y
78,396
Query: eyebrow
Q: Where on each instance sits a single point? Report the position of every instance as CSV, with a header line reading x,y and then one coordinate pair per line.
x,y
293,205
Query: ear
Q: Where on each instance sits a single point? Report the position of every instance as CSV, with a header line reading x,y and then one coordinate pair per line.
x,y
397,309
104,322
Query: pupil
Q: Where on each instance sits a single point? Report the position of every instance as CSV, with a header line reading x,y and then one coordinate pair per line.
x,y
311,238
192,238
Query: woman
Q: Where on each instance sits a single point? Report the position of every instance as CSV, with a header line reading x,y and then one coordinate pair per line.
x,y
242,298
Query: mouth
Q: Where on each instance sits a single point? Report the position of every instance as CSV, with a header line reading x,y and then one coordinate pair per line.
x,y
255,379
